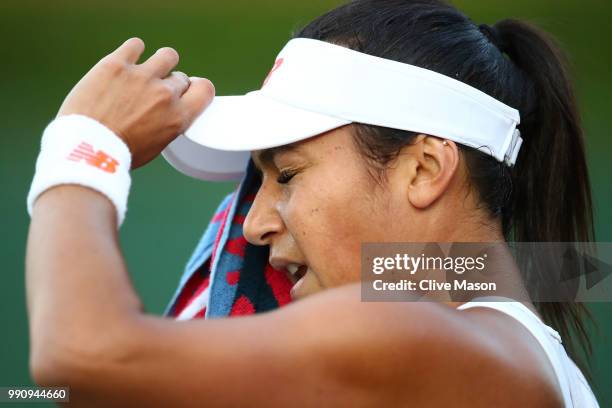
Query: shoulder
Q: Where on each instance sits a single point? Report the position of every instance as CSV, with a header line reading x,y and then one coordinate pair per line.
x,y
422,352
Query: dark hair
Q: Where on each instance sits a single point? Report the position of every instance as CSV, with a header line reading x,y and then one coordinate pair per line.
x,y
546,196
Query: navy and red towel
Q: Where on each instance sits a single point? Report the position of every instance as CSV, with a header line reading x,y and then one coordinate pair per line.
x,y
226,275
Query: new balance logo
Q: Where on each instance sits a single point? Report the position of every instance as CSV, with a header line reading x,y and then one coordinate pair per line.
x,y
99,159
276,66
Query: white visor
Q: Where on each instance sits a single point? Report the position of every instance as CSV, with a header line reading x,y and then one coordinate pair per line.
x,y
316,86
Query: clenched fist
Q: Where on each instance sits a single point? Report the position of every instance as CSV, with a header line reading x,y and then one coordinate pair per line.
x,y
146,105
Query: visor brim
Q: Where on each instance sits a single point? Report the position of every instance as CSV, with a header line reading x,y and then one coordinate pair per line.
x,y
217,146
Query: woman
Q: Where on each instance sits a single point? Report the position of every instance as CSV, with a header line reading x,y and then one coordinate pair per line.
x,y
320,195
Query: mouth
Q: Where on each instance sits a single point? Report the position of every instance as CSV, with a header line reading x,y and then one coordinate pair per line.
x,y
296,272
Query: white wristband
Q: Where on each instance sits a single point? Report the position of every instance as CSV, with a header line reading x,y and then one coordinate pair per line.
x,y
76,149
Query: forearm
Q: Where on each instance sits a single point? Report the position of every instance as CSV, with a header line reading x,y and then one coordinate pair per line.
x,y
78,290
87,325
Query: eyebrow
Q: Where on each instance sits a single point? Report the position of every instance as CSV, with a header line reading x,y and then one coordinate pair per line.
x,y
266,157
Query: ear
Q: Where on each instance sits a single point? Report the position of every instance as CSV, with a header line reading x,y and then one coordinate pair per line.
x,y
429,165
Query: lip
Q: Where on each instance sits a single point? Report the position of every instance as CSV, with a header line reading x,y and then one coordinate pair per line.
x,y
299,277
296,276
285,265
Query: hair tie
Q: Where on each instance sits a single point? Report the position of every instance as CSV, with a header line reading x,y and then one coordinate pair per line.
x,y
492,34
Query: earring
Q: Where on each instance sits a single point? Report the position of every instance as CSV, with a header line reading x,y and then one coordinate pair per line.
x,y
445,143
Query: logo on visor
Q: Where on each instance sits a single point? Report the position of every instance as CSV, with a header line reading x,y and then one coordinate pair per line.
x,y
276,66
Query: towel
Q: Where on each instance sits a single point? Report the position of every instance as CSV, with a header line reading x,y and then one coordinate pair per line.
x,y
227,276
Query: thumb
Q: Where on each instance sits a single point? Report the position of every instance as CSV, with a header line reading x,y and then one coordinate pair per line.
x,y
197,97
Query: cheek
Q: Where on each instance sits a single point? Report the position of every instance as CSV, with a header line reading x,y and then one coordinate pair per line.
x,y
329,223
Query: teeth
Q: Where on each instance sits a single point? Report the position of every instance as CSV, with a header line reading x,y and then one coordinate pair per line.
x,y
293,268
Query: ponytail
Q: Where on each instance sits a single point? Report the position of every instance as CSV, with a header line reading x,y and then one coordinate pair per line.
x,y
551,195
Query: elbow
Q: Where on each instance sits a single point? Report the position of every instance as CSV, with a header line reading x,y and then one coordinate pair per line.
x,y
81,360
48,368
56,360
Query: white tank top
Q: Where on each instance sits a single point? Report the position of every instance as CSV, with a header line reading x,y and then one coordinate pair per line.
x,y
576,391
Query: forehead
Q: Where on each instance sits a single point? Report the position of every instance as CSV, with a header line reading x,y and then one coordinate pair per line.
x,y
311,147
265,157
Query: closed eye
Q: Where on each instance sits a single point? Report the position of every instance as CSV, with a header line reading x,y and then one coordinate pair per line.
x,y
285,176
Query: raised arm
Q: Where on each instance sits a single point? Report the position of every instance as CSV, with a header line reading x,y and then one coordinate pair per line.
x,y
88,329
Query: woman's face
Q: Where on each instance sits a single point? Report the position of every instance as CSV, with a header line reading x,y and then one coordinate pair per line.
x,y
317,204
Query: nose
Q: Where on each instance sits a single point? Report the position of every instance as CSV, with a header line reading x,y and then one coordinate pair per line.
x,y
263,222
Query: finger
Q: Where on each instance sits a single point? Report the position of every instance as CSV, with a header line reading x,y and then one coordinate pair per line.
x,y
162,62
130,50
199,95
178,82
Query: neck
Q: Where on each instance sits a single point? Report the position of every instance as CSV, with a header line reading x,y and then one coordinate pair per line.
x,y
477,227
465,226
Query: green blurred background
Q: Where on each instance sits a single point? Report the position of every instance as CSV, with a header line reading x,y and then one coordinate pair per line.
x,y
48,46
